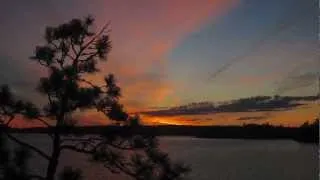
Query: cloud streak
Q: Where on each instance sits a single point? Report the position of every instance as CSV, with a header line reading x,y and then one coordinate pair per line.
x,y
251,104
297,81
285,23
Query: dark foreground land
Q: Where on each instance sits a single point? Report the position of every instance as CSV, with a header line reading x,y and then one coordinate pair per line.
x,y
307,133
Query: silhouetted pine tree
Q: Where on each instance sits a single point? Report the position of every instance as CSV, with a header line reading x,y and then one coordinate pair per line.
x,y
71,52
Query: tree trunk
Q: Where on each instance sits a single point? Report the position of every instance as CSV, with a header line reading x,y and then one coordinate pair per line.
x,y
53,163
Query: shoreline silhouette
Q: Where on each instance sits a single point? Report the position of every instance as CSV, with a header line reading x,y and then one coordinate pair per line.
x,y
306,133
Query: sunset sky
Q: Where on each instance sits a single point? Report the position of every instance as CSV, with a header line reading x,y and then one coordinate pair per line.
x,y
168,53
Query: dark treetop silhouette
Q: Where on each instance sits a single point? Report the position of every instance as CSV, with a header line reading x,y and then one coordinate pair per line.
x,y
71,52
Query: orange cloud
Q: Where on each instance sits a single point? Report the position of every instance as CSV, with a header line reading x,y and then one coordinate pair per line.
x,y
294,118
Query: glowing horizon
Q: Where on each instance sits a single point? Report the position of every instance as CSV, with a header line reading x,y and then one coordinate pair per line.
x,y
171,53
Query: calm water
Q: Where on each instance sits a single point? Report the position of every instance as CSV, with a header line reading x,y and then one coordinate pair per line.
x,y
215,159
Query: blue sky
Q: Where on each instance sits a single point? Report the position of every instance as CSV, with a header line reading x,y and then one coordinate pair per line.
x,y
265,39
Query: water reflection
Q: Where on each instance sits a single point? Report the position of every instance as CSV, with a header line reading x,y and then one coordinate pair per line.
x,y
215,159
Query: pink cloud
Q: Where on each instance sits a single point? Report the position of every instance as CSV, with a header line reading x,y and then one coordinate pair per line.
x,y
144,32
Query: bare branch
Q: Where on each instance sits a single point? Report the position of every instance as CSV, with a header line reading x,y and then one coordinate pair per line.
x,y
41,153
125,170
43,122
95,37
73,48
43,64
121,167
82,139
121,147
91,55
82,48
91,84
54,45
70,56
9,121
73,148
6,113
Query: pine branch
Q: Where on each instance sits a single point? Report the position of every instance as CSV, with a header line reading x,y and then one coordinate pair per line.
x,y
43,122
102,142
83,48
118,165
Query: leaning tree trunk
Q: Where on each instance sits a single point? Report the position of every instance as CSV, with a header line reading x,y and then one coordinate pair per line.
x,y
53,162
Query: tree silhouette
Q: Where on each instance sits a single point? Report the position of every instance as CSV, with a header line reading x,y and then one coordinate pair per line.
x,y
71,52
12,165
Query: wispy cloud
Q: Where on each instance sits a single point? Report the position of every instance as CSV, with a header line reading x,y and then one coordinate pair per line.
x,y
289,20
297,81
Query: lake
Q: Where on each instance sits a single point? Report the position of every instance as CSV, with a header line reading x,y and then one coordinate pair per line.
x,y
214,159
